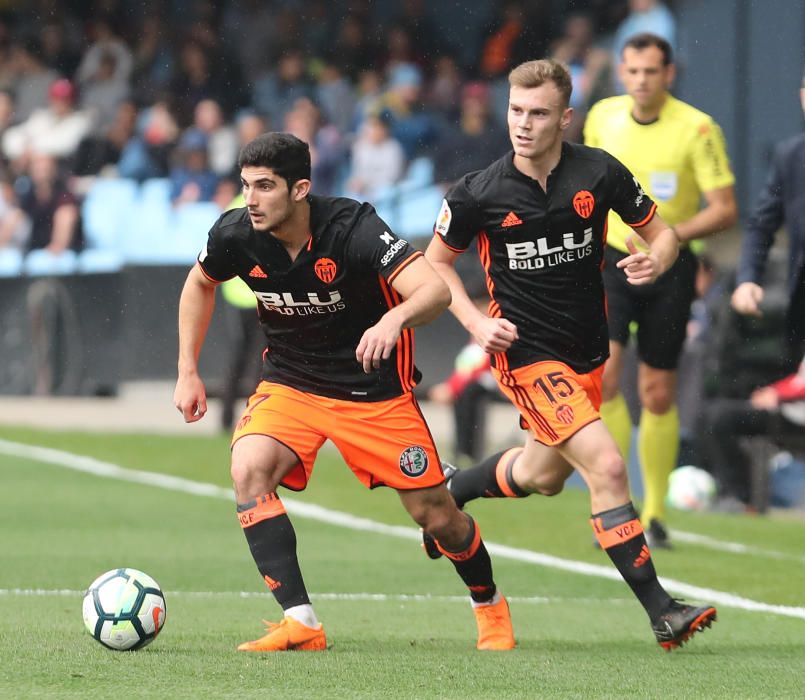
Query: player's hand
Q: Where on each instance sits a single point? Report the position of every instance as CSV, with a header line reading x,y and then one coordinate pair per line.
x,y
494,334
190,397
746,299
641,266
377,343
764,399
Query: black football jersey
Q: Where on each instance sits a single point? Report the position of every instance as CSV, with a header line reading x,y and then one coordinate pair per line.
x,y
315,309
543,250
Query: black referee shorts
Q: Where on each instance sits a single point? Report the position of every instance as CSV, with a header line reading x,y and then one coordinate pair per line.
x,y
661,310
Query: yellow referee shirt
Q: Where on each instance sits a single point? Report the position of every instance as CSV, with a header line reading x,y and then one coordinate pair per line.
x,y
675,158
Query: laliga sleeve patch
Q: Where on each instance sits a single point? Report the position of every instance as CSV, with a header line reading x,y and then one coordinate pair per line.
x,y
414,461
444,218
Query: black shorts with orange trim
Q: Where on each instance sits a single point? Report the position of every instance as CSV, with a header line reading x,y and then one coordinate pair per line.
x,y
554,401
385,443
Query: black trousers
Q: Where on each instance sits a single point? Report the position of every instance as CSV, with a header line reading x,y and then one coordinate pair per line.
x,y
723,422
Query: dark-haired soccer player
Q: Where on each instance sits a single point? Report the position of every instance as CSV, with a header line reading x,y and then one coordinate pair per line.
x,y
678,154
539,215
338,295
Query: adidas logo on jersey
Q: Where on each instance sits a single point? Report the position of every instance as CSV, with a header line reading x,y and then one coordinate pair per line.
x,y
257,271
511,220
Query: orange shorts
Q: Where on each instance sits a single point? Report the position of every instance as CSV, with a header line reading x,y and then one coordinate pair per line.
x,y
385,443
554,401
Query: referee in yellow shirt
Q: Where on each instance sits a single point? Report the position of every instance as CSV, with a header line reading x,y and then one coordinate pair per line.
x,y
677,153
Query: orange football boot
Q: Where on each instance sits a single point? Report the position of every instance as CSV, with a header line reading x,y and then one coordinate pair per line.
x,y
288,635
494,626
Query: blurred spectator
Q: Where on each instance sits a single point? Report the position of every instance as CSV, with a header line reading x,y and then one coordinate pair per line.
x,y
50,206
32,78
15,227
368,96
398,48
475,142
776,411
105,39
248,125
650,16
191,178
7,109
445,87
412,124
590,68
335,95
378,160
414,19
153,59
101,150
780,202
519,33
222,139
194,80
327,147
58,52
274,92
147,155
56,130
102,92
353,48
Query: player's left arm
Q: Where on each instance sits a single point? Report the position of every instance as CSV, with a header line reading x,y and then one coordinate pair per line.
x,y
653,248
714,178
719,213
425,296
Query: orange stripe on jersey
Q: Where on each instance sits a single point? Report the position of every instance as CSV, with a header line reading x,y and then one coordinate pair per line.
x,y
405,343
616,535
444,243
263,508
403,265
648,218
606,233
211,279
310,243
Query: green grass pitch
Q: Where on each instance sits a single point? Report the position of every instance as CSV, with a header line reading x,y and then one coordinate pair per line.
x,y
398,625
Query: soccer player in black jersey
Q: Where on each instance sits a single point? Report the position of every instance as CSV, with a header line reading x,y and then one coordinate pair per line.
x,y
539,215
338,296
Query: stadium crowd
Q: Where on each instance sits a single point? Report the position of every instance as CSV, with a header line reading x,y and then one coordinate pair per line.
x,y
170,91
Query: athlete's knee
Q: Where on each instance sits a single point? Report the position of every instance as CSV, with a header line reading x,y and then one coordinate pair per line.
x,y
659,403
252,477
544,484
438,515
658,395
609,470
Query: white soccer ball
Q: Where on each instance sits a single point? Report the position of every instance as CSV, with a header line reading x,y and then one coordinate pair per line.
x,y
124,609
690,488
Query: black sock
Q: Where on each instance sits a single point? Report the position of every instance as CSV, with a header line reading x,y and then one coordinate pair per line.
x,y
492,478
473,564
619,532
272,540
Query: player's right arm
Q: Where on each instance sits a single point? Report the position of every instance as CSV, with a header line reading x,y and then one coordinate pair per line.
x,y
455,228
196,305
492,334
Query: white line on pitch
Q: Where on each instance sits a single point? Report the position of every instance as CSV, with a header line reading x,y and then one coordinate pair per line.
x,y
308,510
352,597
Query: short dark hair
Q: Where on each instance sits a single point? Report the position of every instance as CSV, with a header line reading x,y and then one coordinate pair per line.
x,y
644,40
286,155
533,74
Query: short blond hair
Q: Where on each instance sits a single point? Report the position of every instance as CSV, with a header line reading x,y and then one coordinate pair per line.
x,y
532,74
